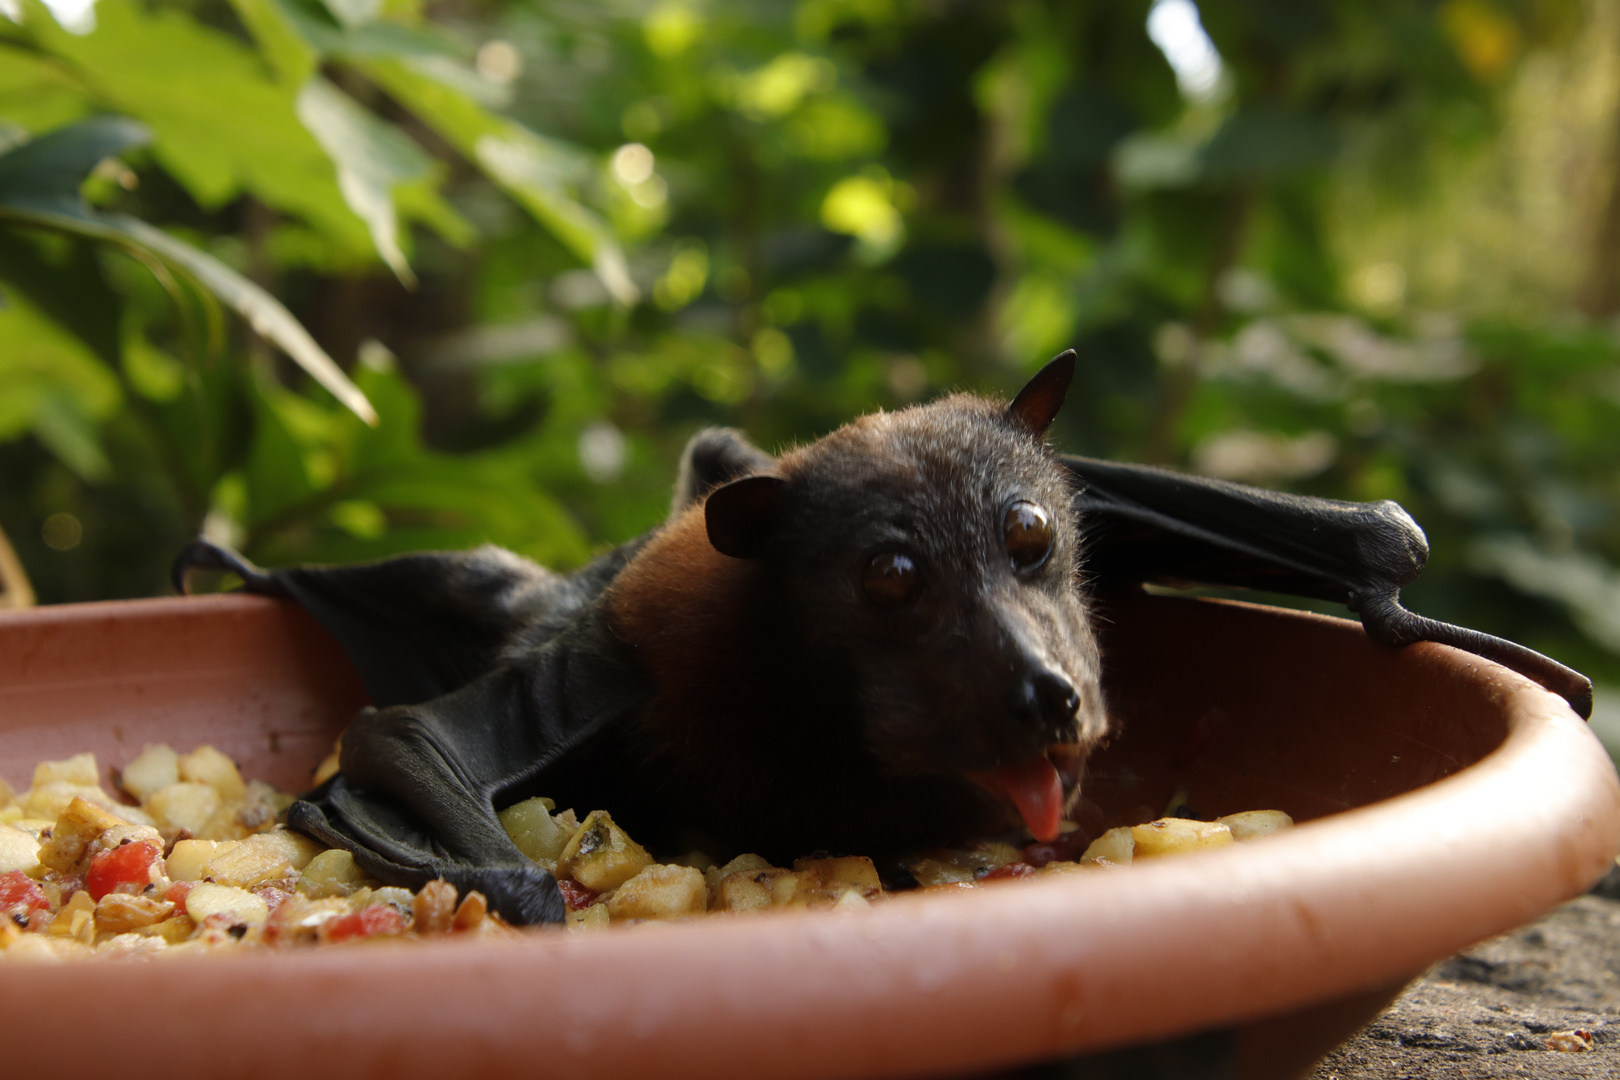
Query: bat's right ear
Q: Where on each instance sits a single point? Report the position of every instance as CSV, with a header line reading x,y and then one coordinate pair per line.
x,y
1038,402
742,516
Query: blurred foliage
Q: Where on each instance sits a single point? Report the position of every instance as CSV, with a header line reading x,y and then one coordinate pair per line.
x,y
1356,248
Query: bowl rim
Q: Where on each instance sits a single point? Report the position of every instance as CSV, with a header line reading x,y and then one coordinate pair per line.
x,y
920,984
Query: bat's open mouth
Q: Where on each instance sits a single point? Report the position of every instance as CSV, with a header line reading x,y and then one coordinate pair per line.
x,y
1038,786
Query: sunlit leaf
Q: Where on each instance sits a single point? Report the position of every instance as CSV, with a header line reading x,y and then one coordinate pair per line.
x,y
531,168
39,187
372,157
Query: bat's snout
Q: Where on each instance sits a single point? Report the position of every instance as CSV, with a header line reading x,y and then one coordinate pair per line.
x,y
1045,700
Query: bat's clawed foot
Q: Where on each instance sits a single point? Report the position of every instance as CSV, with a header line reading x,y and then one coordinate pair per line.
x,y
205,554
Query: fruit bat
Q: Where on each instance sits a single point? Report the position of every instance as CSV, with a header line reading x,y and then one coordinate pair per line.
x,y
880,640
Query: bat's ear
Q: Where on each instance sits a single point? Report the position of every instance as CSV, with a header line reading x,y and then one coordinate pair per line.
x,y
1038,402
742,515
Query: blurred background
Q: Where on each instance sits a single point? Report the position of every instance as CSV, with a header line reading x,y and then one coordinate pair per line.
x,y
1356,248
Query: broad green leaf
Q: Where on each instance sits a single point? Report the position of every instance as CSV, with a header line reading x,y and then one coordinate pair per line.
x,y
55,387
37,93
372,157
221,123
288,52
39,187
531,168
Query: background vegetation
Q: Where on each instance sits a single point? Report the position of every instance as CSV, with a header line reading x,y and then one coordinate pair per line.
x,y
1358,248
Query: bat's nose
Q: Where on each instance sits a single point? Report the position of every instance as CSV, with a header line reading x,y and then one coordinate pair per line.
x,y
1045,698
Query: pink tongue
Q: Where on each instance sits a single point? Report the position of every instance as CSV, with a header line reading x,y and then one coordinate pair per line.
x,y
1035,788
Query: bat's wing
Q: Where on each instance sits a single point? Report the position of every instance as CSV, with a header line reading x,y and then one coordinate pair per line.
x,y
422,625
1147,524
416,796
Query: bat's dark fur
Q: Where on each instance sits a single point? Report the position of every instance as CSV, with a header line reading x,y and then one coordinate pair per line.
x,y
738,672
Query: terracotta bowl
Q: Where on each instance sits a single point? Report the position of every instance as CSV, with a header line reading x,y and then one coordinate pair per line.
x,y
1443,799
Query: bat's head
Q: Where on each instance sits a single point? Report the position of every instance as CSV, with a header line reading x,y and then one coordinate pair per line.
x,y
930,557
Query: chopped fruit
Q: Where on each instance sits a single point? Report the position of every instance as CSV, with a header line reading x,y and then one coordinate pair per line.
x,y
19,895
369,921
126,868
576,896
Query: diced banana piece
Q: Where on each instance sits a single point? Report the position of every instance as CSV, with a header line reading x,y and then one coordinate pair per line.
x,y
660,892
1174,836
68,849
50,800
601,856
188,860
533,829
260,858
334,874
1252,823
594,917
749,890
237,907
79,769
18,850
153,769
205,765
185,805
1113,848
122,913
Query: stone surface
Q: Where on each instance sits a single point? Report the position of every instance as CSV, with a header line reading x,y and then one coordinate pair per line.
x,y
1488,1012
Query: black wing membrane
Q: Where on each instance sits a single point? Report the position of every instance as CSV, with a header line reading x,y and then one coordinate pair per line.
x,y
416,796
1146,524
422,625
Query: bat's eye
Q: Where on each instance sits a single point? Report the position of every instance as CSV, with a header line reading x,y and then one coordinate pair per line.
x,y
1027,532
891,578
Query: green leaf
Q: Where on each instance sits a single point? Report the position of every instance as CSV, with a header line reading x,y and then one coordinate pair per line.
x,y
39,187
288,52
372,157
531,168
221,123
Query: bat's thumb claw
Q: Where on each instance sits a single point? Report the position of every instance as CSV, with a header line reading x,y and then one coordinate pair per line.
x,y
204,554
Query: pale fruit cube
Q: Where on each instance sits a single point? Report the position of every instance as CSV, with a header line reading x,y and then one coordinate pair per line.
x,y
188,861
172,930
1252,823
186,805
601,856
334,874
153,769
750,890
236,907
533,829
79,769
18,850
714,875
938,872
68,849
123,913
51,799
205,765
1112,848
840,875
262,857
594,917
1176,836
660,892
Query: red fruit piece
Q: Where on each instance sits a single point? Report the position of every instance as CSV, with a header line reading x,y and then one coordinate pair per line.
x,y
176,895
369,921
19,895
127,864
576,896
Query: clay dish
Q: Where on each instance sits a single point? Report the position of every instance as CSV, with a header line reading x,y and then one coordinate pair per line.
x,y
1442,798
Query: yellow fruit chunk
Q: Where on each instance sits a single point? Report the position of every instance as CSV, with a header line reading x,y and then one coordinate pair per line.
x,y
205,765
68,849
153,769
1112,848
334,874
185,805
18,850
188,860
533,829
660,892
601,856
1176,836
1252,823
260,858
236,907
